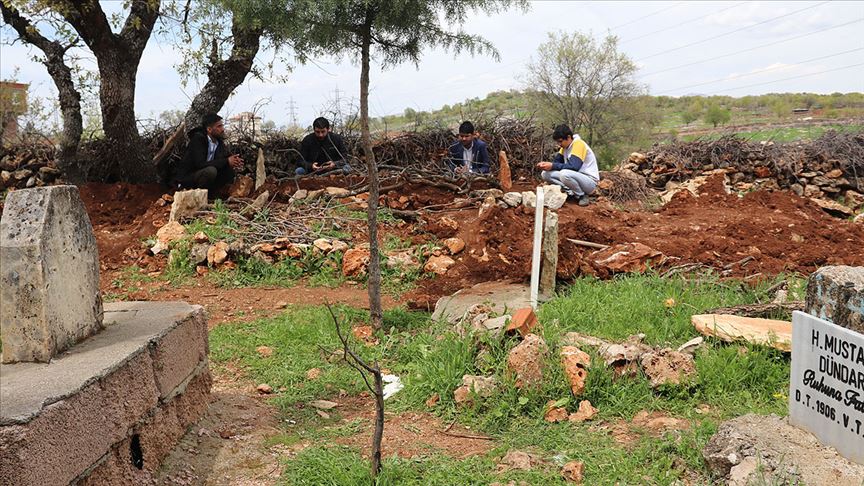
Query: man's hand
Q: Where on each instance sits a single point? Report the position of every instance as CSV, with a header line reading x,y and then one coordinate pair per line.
x,y
235,162
316,167
544,165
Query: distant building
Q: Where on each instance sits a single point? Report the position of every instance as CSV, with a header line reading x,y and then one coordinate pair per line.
x,y
13,103
246,122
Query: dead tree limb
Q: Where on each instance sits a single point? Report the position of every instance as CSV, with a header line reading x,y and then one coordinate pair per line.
x,y
377,390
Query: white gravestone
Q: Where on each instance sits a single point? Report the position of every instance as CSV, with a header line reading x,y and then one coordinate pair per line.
x,y
826,389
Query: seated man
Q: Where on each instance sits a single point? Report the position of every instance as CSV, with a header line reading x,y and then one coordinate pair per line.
x,y
206,163
469,154
574,167
322,150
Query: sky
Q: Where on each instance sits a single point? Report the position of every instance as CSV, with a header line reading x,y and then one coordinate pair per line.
x,y
729,48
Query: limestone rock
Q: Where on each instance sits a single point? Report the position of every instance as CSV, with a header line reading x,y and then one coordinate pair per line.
x,y
504,176
454,245
553,196
586,412
495,325
833,207
487,205
336,191
438,264
241,187
575,363
200,237
482,386
354,262
172,231
217,253
525,361
338,246
513,199
627,257
404,259
529,199
554,414
836,294
187,203
300,194
487,193
49,274
323,245
573,471
198,253
668,367
854,199
517,460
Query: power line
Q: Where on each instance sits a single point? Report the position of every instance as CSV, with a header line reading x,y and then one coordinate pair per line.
x,y
793,77
646,16
749,49
682,23
744,75
731,32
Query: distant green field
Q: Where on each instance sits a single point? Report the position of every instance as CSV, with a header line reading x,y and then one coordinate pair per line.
x,y
785,134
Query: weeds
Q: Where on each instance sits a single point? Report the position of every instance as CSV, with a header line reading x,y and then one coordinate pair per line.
x,y
431,359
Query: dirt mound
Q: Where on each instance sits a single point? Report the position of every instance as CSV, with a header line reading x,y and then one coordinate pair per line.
x,y
123,215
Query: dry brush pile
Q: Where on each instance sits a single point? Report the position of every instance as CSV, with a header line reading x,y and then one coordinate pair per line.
x,y
830,166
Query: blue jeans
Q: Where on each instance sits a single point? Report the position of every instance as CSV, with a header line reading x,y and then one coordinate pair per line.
x,y
571,181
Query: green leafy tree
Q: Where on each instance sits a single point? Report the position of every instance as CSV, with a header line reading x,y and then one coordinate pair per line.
x,y
717,115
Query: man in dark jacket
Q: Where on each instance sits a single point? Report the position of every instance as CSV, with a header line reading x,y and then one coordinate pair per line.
x,y
469,153
206,163
322,151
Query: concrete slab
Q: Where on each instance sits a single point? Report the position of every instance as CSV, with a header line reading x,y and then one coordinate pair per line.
x,y
502,297
131,328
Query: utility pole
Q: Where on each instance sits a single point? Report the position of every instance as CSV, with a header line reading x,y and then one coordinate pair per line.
x,y
292,112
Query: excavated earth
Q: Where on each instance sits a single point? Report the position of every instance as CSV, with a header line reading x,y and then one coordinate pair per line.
x,y
756,235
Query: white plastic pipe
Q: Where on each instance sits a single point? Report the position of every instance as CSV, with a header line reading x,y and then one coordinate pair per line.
x,y
538,242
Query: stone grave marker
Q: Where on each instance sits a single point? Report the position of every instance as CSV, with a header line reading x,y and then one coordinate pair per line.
x,y
49,274
826,389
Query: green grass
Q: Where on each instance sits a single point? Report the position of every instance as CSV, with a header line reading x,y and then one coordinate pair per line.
x,y
787,134
430,358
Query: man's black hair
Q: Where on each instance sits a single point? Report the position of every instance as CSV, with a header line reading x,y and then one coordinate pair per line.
x,y
209,120
321,122
561,132
466,127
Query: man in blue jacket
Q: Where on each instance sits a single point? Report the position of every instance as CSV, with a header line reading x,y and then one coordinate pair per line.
x,y
206,163
468,154
574,167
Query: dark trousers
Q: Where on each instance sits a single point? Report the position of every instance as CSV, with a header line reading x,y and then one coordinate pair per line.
x,y
209,178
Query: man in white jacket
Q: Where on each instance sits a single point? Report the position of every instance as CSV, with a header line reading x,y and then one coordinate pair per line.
x,y
574,167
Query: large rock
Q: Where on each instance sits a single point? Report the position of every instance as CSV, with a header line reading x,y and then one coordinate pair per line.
x,y
627,257
526,361
49,274
836,294
553,196
187,203
500,296
438,264
354,262
668,367
241,187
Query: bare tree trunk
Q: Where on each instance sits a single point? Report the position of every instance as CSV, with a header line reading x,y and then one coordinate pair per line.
x,y
118,56
378,434
374,281
117,100
61,75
